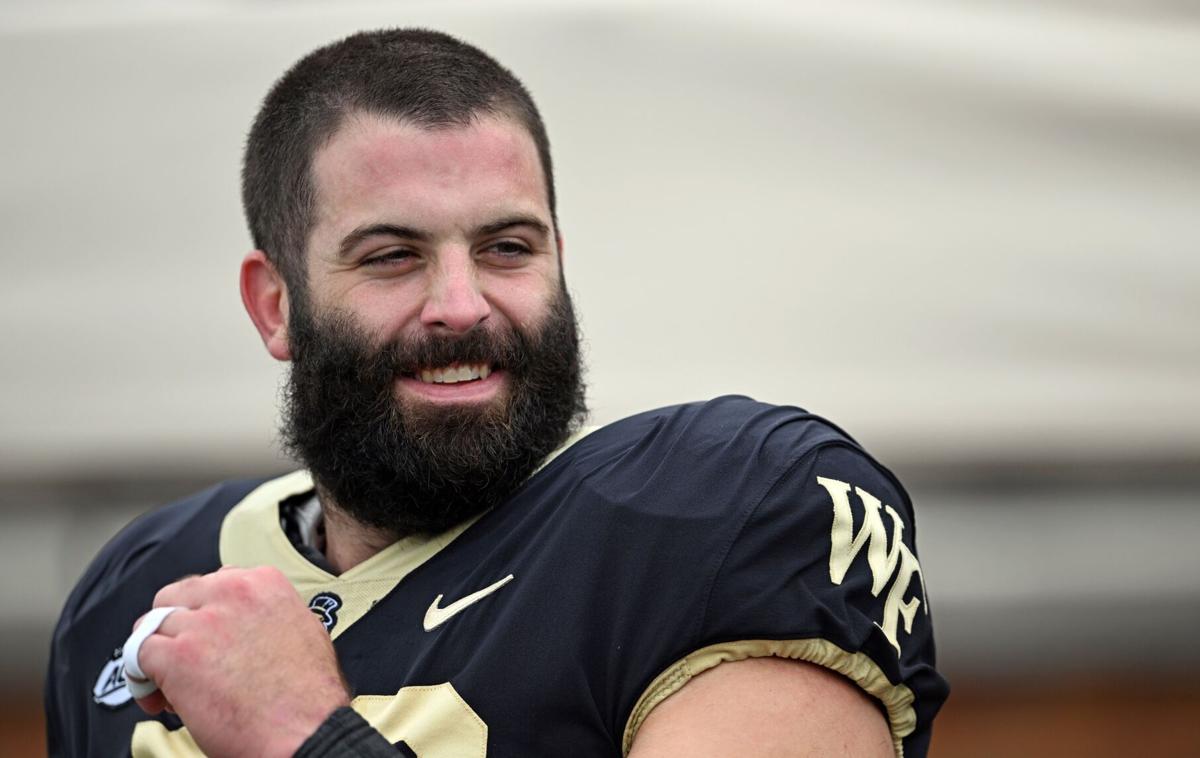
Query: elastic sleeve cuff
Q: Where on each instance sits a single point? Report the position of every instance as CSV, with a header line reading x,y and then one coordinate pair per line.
x,y
345,733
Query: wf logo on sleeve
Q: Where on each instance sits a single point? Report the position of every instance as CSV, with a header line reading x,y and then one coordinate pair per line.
x,y
896,563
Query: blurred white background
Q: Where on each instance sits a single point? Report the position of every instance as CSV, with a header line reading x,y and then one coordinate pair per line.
x,y
967,232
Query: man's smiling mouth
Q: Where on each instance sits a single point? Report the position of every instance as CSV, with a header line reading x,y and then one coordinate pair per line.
x,y
455,373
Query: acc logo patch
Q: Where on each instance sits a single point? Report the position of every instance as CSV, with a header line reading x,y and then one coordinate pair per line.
x,y
326,605
110,690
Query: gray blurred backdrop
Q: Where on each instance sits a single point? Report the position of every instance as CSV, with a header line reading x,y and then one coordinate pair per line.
x,y
966,232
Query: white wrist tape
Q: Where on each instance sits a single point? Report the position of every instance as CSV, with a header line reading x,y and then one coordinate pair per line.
x,y
140,684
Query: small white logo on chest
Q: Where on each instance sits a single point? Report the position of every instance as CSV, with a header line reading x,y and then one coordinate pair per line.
x,y
110,689
436,616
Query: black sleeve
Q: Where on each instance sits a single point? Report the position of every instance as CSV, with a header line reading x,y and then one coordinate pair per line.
x,y
345,733
828,563
822,567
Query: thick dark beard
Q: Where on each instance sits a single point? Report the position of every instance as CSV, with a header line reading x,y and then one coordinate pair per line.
x,y
422,469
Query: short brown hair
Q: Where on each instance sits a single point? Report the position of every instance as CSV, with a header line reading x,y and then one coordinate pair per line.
x,y
424,77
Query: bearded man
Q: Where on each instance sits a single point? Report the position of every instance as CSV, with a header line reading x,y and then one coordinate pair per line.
x,y
461,569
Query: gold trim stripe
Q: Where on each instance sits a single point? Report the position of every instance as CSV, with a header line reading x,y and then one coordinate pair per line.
x,y
251,535
857,667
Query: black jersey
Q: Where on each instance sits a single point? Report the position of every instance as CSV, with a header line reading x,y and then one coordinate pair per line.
x,y
643,554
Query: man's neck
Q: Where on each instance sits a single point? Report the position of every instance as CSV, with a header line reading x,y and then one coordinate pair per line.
x,y
347,541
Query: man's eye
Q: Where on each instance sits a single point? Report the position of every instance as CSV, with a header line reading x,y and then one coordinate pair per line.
x,y
508,248
389,257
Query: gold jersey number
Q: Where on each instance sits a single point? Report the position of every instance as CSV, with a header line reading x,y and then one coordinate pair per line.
x,y
433,721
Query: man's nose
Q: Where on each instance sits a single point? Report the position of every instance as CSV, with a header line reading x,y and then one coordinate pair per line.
x,y
455,303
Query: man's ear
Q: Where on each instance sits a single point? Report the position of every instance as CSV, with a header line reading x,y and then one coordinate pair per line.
x,y
264,293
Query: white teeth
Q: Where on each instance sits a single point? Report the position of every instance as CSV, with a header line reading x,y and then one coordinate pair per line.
x,y
455,374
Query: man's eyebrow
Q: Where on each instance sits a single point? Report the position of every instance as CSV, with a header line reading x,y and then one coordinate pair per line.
x,y
373,230
510,221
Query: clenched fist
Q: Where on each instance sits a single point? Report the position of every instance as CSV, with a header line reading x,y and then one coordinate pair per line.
x,y
246,666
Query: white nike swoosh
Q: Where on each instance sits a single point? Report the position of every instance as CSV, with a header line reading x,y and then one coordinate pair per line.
x,y
436,616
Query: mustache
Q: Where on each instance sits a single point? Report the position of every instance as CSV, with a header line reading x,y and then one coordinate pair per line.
x,y
353,353
499,349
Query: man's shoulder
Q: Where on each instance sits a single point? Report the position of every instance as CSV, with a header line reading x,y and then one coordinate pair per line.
x,y
725,418
731,432
700,459
172,540
157,548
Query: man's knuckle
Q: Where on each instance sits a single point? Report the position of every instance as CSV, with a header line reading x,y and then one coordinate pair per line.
x,y
270,574
237,586
205,617
187,651
160,597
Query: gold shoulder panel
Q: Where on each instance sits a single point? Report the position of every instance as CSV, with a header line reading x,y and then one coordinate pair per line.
x,y
251,535
859,668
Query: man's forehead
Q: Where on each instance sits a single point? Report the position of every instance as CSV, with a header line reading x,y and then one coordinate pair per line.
x,y
373,157
379,146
